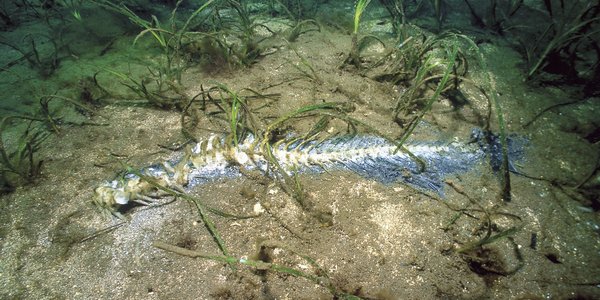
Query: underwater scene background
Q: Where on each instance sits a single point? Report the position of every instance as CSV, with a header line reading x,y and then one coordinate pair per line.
x,y
296,149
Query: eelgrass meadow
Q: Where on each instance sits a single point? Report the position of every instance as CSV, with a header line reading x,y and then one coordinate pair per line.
x,y
285,95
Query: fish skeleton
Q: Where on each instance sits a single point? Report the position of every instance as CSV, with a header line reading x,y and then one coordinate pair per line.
x,y
420,164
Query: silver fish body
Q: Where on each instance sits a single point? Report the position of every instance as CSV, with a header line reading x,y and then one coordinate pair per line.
x,y
420,164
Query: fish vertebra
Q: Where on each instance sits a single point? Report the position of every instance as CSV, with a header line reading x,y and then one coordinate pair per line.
x,y
420,164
